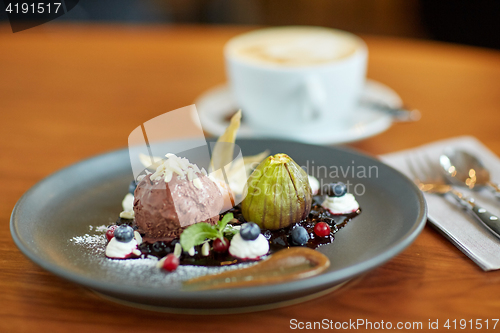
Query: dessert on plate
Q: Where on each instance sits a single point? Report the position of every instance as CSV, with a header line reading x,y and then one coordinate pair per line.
x,y
179,213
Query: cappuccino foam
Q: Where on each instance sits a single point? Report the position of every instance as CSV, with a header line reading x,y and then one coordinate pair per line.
x,y
293,46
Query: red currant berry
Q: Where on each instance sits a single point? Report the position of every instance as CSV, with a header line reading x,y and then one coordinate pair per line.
x,y
322,229
171,262
220,245
110,233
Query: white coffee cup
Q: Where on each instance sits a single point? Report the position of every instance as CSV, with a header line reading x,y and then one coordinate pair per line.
x,y
293,80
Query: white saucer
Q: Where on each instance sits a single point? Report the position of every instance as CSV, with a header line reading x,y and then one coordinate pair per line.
x,y
216,104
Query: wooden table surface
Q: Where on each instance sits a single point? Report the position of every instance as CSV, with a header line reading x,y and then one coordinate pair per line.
x,y
68,92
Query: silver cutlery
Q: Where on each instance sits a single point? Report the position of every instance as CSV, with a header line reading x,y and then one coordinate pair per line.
x,y
463,168
428,178
400,114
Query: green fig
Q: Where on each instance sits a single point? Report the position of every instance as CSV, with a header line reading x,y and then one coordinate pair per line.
x,y
278,193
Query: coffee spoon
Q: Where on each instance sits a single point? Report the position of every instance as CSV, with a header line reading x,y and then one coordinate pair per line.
x,y
400,114
463,168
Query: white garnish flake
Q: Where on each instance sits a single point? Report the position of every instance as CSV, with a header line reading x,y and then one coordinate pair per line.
x,y
138,237
177,250
179,166
127,215
128,202
205,249
160,262
197,183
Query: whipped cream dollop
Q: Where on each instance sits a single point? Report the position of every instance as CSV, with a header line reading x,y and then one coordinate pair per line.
x,y
314,183
248,249
341,205
122,250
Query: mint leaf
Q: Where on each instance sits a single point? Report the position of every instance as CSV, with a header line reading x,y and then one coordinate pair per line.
x,y
222,223
196,234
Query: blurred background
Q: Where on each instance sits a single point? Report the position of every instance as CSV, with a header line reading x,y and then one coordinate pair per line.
x,y
459,21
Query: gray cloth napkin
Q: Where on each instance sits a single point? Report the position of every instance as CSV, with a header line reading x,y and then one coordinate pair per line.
x,y
461,228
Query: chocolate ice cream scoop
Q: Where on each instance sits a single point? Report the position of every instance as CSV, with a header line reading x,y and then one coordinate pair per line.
x,y
163,210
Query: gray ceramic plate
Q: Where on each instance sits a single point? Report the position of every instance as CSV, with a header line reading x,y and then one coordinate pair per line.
x,y
56,225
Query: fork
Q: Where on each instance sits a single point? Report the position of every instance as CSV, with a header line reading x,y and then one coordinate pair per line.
x,y
429,179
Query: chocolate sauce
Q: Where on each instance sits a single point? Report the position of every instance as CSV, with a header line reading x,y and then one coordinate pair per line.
x,y
278,239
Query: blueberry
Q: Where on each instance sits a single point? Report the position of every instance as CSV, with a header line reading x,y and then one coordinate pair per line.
x,y
124,233
249,231
337,189
157,247
299,236
267,234
279,241
132,186
145,248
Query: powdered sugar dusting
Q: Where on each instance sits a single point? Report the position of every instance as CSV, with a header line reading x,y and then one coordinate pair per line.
x,y
94,242
89,240
101,228
141,272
